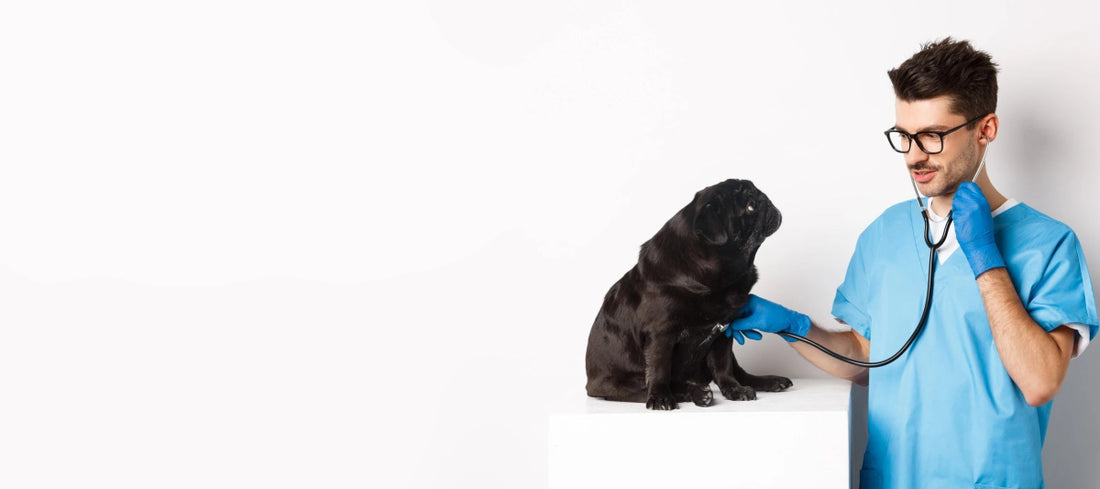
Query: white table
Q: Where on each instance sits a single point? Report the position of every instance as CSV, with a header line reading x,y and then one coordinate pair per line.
x,y
796,438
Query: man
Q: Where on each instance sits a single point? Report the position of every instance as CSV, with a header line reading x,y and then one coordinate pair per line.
x,y
967,405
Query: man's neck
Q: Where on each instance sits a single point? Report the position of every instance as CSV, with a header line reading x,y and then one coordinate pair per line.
x,y
942,205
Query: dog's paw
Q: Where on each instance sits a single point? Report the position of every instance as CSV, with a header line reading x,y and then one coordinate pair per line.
x,y
739,393
702,396
773,383
661,401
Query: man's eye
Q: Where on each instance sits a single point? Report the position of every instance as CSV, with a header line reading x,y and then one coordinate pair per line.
x,y
928,137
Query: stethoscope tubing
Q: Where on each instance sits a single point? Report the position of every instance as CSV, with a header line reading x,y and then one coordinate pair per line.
x,y
932,247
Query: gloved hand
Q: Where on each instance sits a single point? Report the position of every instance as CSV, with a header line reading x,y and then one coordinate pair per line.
x,y
739,335
974,229
769,317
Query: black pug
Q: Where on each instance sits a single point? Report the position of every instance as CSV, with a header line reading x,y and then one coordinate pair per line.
x,y
658,336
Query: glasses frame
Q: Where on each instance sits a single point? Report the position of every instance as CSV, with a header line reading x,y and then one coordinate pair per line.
x,y
913,138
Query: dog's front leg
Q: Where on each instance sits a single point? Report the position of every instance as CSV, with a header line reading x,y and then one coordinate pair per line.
x,y
658,371
721,362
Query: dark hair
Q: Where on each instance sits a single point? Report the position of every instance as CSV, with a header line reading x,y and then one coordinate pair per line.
x,y
952,68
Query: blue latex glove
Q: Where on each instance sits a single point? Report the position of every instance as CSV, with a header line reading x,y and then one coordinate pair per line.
x,y
739,335
974,229
769,317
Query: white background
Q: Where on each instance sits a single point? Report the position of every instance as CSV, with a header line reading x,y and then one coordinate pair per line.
x,y
337,244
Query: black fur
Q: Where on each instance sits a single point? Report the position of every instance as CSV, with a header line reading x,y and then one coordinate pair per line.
x,y
656,339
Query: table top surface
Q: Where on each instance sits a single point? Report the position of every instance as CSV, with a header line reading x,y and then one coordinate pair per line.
x,y
806,395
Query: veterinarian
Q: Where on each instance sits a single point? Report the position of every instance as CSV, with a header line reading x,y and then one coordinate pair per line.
x,y
968,404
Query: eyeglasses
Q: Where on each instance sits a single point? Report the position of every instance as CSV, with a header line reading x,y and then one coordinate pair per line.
x,y
931,142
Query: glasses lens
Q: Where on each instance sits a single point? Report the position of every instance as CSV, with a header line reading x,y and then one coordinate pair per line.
x,y
899,140
930,142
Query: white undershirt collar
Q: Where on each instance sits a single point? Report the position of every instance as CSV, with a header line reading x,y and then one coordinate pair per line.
x,y
936,223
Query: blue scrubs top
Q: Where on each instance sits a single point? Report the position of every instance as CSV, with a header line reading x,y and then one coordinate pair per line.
x,y
946,414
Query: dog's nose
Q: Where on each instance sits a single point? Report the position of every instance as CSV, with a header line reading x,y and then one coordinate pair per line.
x,y
774,222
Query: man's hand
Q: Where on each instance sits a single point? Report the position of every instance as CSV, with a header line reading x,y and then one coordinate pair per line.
x,y
740,335
974,229
769,317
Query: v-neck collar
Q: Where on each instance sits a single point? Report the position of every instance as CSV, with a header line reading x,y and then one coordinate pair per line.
x,y
950,246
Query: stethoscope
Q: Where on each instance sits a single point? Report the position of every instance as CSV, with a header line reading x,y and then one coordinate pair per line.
x,y
932,247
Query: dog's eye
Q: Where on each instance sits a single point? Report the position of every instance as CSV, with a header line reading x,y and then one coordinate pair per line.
x,y
750,208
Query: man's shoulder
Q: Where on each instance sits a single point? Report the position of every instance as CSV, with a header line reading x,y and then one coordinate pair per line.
x,y
1024,217
893,223
905,207
900,214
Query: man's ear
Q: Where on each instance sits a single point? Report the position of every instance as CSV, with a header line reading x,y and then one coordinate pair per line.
x,y
988,127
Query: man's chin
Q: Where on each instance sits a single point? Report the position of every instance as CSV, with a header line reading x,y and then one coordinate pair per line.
x,y
930,190
938,189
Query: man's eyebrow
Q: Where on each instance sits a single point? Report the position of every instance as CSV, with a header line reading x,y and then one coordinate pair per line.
x,y
932,128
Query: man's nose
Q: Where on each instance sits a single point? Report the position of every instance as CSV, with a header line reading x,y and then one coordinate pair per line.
x,y
915,156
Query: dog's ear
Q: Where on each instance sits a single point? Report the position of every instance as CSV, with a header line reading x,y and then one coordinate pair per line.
x,y
689,284
710,225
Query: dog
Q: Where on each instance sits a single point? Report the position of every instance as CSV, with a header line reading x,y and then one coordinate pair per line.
x,y
658,337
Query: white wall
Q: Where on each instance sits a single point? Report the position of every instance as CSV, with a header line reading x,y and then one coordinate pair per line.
x,y
322,244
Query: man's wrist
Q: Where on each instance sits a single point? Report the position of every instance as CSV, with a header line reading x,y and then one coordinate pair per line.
x,y
984,258
800,325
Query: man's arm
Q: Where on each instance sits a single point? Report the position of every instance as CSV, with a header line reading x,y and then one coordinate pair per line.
x,y
848,343
1035,359
763,315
